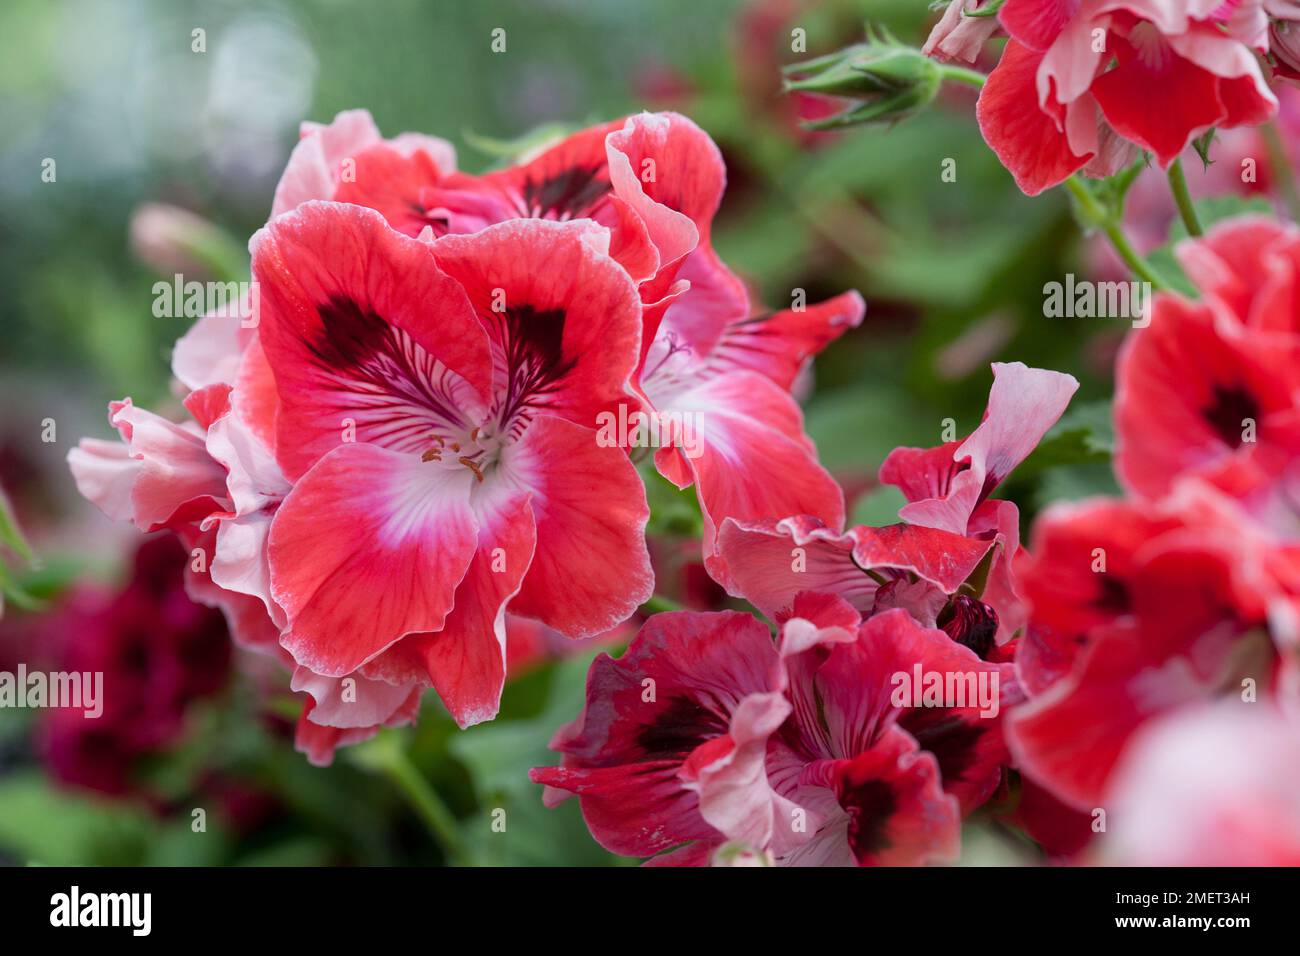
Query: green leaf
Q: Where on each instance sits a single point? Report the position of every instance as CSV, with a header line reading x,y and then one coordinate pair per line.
x,y
498,756
1084,435
13,591
39,824
877,507
856,427
673,511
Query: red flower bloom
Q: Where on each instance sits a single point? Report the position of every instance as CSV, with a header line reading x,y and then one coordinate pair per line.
x,y
407,434
1135,614
470,390
719,376
1209,388
705,732
1083,82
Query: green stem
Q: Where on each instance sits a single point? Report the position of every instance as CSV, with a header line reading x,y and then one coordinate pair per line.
x,y
658,603
962,75
438,820
1095,212
1280,165
1178,184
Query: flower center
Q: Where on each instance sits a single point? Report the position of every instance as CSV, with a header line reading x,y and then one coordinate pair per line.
x,y
476,450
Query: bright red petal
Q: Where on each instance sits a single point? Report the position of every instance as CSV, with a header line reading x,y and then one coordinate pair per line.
x,y
591,569
369,546
1025,138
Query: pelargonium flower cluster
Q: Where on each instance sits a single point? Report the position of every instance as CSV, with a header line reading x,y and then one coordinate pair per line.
x,y
411,426
873,723
434,413
1185,591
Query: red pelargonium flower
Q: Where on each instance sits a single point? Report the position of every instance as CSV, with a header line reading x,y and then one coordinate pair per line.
x,y
1211,387
706,732
435,404
717,377
1138,611
1083,82
432,375
948,486
951,524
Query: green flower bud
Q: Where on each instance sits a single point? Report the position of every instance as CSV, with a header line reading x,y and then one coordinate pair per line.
x,y
888,80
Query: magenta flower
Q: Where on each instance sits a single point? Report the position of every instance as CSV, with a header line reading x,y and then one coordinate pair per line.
x,y
804,750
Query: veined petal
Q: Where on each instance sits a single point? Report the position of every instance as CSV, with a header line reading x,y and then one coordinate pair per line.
x,y
363,332
1026,139
563,318
750,458
352,701
779,345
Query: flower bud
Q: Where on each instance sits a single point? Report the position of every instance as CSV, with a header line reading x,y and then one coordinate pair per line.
x,y
171,240
888,81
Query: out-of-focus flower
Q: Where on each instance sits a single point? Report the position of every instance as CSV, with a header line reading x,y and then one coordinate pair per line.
x,y
765,34
158,651
1209,388
1063,832
529,642
1184,592
1284,36
1137,610
1212,786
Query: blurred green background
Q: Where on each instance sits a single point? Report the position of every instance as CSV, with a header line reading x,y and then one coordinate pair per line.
x,y
952,273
